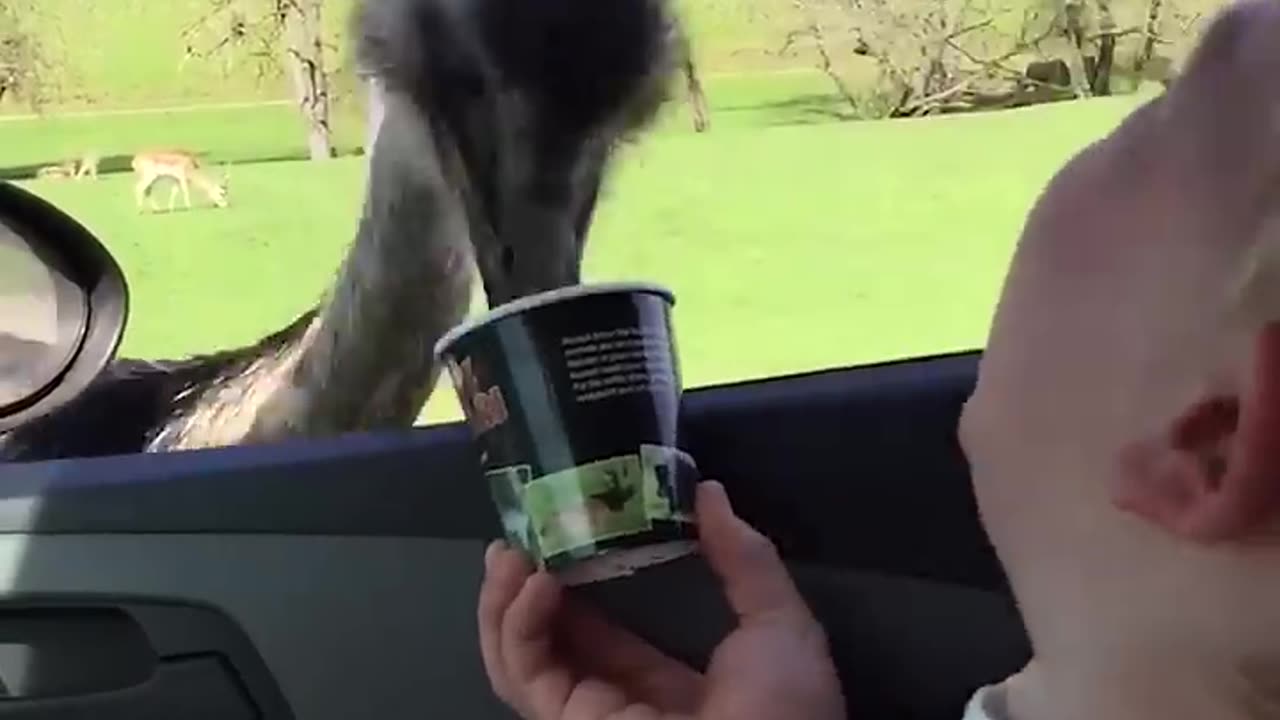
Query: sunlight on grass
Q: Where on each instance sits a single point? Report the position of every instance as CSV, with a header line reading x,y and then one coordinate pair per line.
x,y
791,247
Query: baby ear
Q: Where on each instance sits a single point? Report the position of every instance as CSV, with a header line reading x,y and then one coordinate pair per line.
x,y
1214,475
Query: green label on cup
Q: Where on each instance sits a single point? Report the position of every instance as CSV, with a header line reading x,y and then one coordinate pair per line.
x,y
571,514
573,405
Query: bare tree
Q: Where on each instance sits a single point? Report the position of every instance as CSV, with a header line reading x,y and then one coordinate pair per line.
x,y
1162,32
1070,26
929,56
304,52
1091,35
1150,35
693,84
1169,32
274,35
26,70
933,56
813,30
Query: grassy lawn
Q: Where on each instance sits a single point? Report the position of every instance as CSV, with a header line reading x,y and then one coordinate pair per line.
x,y
128,53
256,132
230,134
793,243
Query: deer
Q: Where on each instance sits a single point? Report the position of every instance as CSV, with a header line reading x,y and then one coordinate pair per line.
x,y
498,122
85,166
62,171
180,167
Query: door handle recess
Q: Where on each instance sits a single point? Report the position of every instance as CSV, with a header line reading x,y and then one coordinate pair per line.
x,y
198,688
130,661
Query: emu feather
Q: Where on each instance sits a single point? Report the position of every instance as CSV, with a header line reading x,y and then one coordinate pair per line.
x,y
498,121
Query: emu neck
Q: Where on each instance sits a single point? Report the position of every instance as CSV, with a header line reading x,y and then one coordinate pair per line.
x,y
365,362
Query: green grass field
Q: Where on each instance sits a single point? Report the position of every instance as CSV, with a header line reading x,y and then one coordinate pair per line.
x,y
129,53
792,242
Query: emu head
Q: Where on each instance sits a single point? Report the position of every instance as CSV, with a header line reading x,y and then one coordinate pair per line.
x,y
526,100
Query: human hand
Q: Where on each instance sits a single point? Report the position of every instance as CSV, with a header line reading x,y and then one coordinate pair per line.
x,y
551,657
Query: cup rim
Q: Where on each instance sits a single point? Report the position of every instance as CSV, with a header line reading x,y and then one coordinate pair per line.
x,y
548,297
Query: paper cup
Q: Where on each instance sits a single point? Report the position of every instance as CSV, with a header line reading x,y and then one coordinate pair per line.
x,y
572,397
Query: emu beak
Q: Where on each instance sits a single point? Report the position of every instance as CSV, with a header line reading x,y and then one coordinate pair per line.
x,y
538,239
539,251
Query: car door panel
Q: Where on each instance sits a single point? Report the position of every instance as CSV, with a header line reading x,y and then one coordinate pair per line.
x,y
106,658
349,627
854,468
351,565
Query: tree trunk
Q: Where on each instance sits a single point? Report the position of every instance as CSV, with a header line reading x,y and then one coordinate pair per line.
x,y
1101,80
1150,35
1073,31
304,57
697,98
829,69
825,62
693,84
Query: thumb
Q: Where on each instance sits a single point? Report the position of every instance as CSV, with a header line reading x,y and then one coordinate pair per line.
x,y
755,580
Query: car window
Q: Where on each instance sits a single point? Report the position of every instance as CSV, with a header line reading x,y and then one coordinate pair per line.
x,y
829,183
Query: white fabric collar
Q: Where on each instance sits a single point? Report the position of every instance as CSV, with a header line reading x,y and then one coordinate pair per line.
x,y
989,703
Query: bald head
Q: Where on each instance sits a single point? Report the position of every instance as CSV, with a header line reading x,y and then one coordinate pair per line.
x,y
1224,111
1122,433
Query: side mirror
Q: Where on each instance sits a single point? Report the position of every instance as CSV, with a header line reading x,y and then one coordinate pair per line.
x,y
63,306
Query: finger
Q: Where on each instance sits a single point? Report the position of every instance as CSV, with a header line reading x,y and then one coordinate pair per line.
x,y
645,712
542,679
617,655
594,699
505,574
756,582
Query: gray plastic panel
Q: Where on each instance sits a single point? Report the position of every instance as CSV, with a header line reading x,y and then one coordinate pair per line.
x,y
50,652
385,628
298,545
102,648
199,688
820,497
349,627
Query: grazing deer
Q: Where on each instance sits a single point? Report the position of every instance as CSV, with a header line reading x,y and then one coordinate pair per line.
x,y
78,169
87,166
181,168
498,123
64,170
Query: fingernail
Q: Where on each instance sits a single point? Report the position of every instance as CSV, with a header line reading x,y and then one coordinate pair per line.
x,y
491,553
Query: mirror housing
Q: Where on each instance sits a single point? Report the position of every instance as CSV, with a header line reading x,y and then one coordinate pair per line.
x,y
63,307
